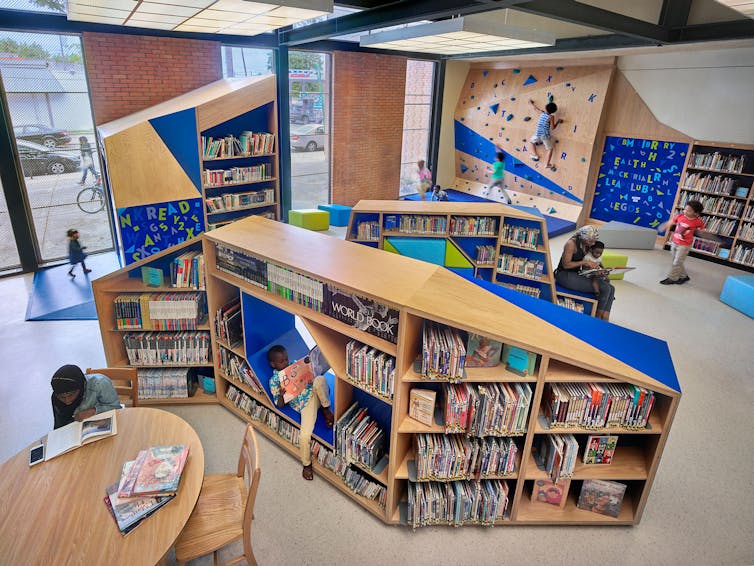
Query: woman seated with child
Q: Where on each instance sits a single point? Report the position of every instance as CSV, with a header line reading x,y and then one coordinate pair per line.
x,y
574,259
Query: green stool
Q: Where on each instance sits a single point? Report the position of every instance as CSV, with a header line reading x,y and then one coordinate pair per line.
x,y
611,259
309,218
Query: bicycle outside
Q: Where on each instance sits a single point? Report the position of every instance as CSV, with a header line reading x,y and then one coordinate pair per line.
x,y
92,199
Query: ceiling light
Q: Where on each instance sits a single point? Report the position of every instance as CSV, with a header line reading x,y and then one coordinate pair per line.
x,y
457,36
746,7
237,17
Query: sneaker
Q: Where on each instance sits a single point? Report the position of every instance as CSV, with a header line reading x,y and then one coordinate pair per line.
x,y
72,274
668,281
534,158
683,279
87,271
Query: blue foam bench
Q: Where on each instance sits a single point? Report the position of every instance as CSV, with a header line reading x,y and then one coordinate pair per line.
x,y
339,213
738,292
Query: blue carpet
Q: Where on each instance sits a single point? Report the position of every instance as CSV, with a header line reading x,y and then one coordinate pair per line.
x,y
555,226
57,296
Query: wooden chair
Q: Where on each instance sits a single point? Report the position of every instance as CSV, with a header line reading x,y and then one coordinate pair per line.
x,y
125,381
225,509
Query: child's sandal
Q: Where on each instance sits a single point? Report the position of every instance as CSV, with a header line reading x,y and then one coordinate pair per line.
x,y
308,473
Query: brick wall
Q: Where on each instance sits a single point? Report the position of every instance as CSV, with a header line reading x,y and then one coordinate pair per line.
x,y
367,125
128,73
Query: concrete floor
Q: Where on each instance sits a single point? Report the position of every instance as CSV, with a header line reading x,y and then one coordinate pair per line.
x,y
699,510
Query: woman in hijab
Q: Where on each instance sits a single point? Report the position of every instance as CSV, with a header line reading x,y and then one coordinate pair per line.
x,y
78,397
572,261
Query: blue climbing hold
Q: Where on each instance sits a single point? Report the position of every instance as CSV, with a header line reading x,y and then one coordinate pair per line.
x,y
485,73
516,71
464,168
530,80
494,108
527,118
509,117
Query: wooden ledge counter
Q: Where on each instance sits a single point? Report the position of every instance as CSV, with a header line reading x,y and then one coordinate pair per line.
x,y
54,512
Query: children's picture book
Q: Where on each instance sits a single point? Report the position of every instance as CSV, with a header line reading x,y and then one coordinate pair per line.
x,y
547,491
518,360
421,405
128,512
295,378
600,449
604,271
78,433
152,276
482,352
161,470
602,496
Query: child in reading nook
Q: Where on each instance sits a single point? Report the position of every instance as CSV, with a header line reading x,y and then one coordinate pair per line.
x,y
687,225
594,255
76,252
315,397
546,123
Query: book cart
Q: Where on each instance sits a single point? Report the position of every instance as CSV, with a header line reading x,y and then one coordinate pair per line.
x,y
192,163
127,284
280,272
721,177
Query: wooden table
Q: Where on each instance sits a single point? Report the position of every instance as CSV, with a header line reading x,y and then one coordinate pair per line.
x,y
53,513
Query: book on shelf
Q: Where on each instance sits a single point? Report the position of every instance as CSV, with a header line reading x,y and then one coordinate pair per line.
x,y
442,457
79,433
152,276
489,409
295,378
602,496
519,361
482,352
421,405
359,439
160,470
229,323
600,449
547,491
443,352
556,455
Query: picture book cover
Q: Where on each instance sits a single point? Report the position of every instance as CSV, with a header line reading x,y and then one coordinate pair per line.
x,y
152,276
161,470
602,496
127,512
518,360
482,352
295,378
547,491
421,405
600,449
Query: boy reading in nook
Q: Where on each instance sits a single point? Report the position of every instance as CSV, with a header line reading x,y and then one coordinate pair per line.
x,y
546,123
594,255
686,225
314,397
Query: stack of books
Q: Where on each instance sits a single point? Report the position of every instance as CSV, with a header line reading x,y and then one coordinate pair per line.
x,y
146,484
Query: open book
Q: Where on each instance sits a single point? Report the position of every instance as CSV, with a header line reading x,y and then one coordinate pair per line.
x,y
295,378
71,436
604,271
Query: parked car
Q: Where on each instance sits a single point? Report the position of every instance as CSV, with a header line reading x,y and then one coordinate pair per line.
x,y
40,134
308,137
39,160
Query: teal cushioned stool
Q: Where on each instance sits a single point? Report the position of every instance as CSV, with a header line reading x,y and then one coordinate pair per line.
x,y
339,213
611,259
738,292
309,218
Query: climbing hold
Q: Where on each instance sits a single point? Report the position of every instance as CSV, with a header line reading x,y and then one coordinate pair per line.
x,y
494,108
509,117
527,118
516,71
485,73
530,80
550,98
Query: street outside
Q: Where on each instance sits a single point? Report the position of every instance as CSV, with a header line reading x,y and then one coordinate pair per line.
x,y
310,178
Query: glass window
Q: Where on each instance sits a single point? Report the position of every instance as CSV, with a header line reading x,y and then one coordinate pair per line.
x,y
246,61
416,122
309,91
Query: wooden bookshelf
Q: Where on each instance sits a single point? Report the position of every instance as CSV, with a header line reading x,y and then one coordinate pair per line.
x,y
417,292
727,194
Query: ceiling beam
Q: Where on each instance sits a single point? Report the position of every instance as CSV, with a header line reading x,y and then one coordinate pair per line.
x,y
393,14
675,13
585,15
736,29
591,43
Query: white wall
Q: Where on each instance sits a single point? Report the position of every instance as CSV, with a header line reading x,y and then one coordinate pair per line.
x,y
707,95
455,78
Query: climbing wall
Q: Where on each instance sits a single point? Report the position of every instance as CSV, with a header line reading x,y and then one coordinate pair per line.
x,y
493,112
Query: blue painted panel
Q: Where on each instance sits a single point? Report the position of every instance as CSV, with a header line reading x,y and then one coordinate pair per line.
x,y
638,180
263,322
645,353
468,141
256,120
380,411
148,229
463,271
469,245
178,132
431,250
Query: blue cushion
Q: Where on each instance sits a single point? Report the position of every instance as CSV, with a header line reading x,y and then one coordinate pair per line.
x,y
339,213
738,292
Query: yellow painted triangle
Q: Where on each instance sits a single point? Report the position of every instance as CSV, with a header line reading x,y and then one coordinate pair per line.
x,y
454,257
388,247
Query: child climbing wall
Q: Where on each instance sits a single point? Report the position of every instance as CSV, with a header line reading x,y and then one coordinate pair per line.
x,y
493,110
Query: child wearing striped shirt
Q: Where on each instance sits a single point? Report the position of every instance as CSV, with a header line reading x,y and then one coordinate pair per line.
x,y
545,125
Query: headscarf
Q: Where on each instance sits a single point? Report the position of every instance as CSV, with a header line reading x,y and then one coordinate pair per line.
x,y
588,232
67,378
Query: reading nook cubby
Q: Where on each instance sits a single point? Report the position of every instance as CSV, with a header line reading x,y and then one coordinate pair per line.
x,y
414,315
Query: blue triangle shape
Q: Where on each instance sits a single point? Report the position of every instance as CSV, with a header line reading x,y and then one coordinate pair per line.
x,y
530,80
495,107
178,132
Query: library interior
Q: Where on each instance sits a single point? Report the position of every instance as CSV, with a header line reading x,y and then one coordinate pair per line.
x,y
472,264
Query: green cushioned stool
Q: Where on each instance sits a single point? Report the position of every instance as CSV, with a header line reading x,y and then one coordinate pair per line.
x,y
611,259
309,218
